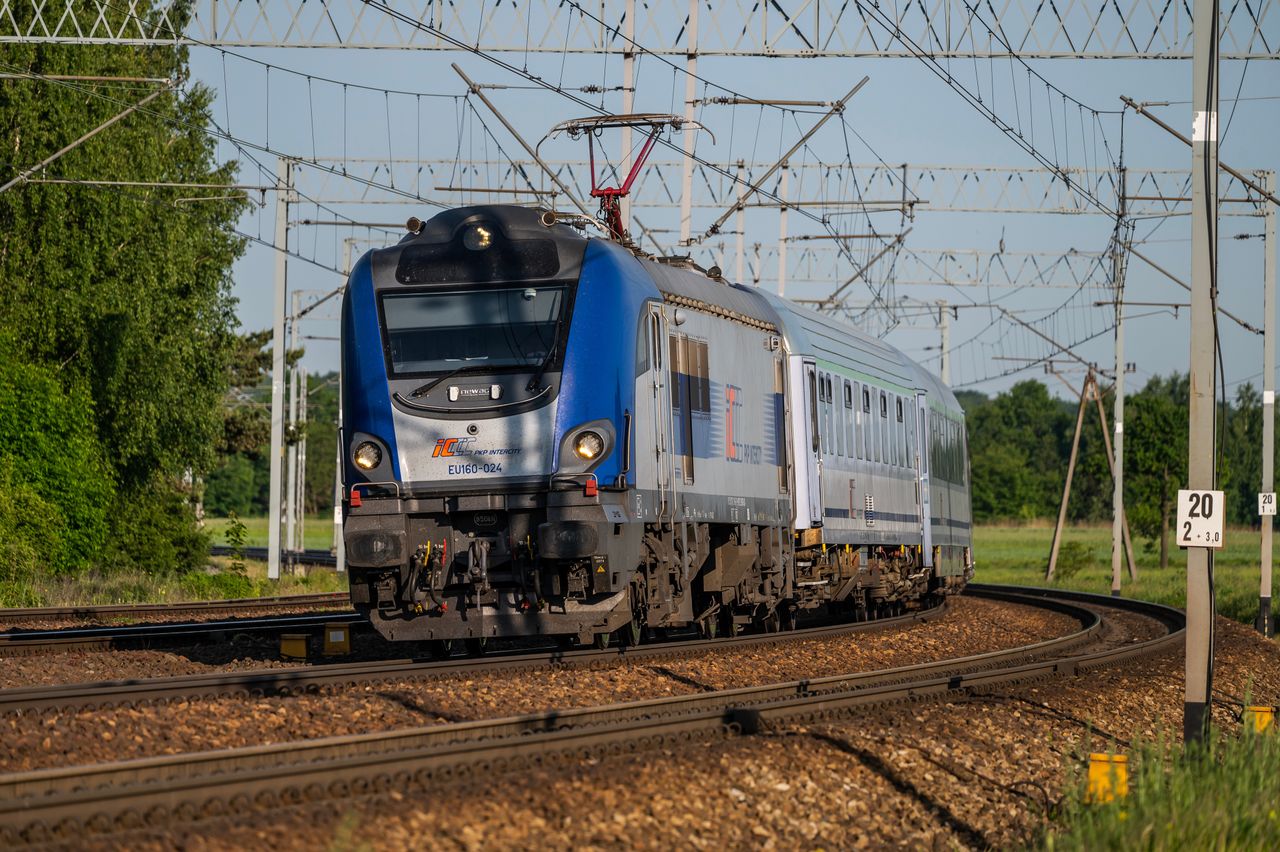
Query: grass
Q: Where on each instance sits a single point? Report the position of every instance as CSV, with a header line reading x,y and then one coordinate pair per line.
x,y
317,531
1018,555
1227,797
216,583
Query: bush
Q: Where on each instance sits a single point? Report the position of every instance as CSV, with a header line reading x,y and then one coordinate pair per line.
x,y
156,532
55,488
1073,557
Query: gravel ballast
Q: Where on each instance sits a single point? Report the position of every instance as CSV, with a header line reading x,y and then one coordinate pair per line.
x,y
967,774
45,739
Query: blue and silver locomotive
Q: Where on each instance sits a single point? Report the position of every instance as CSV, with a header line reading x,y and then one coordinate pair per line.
x,y
549,434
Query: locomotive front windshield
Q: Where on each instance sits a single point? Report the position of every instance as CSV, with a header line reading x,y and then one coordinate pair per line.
x,y
494,329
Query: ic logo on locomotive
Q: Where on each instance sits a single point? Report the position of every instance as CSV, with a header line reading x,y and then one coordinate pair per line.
x,y
449,447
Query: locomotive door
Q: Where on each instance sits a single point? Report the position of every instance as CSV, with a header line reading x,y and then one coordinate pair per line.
x,y
922,451
660,375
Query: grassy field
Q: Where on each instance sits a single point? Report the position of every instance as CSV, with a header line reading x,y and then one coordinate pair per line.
x,y
1222,799
317,531
1019,554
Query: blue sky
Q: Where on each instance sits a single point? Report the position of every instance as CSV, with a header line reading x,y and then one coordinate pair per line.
x,y
904,114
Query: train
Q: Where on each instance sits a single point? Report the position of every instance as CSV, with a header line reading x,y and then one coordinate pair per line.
x,y
549,433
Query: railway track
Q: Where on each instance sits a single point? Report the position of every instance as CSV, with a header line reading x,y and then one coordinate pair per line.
x,y
109,612
303,557
18,643
315,678
67,803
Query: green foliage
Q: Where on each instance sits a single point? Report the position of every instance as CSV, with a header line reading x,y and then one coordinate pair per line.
x,y
56,487
1016,445
1073,556
1224,797
122,296
236,536
234,488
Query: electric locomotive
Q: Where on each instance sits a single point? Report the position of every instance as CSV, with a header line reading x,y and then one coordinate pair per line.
x,y
550,434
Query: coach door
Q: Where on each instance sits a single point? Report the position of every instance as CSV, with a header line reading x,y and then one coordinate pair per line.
x,y
807,444
659,372
922,453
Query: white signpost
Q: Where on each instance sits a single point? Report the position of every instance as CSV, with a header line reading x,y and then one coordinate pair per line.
x,y
1267,503
1200,515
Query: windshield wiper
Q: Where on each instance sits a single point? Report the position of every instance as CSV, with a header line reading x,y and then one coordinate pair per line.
x,y
536,381
427,388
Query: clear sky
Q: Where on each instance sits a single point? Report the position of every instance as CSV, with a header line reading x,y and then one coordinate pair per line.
x,y
904,114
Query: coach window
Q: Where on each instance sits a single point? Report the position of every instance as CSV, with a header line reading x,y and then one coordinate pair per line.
x,y
831,411
857,419
902,432
848,416
884,426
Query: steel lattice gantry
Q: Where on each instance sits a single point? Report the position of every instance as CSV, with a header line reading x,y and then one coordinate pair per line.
x,y
1136,29
824,188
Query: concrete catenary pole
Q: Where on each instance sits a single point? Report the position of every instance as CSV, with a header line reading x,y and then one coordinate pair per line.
x,y
742,230
783,191
1202,379
1265,624
291,450
300,490
628,97
284,189
1117,472
690,134
944,344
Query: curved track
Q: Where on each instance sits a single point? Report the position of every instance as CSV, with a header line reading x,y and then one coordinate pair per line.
x,y
65,803
124,693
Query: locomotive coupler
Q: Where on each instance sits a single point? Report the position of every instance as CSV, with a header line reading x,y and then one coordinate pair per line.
x,y
478,564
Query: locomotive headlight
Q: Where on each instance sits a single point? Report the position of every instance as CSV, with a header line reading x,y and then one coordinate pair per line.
x,y
367,456
478,237
588,445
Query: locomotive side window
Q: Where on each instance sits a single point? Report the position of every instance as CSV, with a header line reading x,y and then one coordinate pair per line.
x,y
780,424
682,402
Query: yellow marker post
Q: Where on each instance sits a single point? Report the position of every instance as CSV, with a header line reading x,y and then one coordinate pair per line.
x,y
1259,718
1108,778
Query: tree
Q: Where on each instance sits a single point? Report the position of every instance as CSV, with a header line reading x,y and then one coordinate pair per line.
x,y
1156,457
122,292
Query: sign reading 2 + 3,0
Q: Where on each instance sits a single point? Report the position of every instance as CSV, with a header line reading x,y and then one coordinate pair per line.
x,y
1200,515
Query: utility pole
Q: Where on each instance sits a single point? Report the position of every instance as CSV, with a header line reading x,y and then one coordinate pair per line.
x,y
1203,388
944,331
300,442
782,231
1117,473
284,191
1265,625
690,133
291,450
628,97
742,228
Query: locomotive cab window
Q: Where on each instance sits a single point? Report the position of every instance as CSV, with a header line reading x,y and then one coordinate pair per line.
x,y
490,330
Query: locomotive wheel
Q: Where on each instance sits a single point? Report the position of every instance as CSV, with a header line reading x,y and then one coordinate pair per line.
x,y
709,627
476,646
788,618
602,640
770,622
